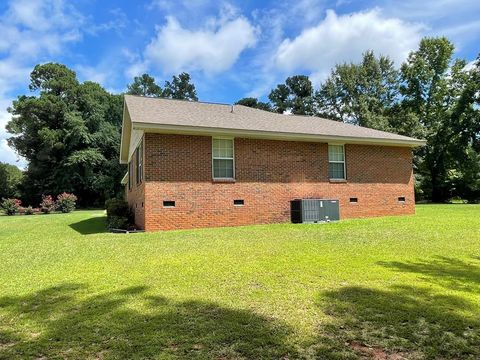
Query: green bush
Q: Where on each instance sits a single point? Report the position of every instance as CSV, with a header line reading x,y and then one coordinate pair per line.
x,y
119,214
66,202
118,222
10,206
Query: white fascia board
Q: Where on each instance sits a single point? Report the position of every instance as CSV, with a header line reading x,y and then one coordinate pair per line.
x,y
254,134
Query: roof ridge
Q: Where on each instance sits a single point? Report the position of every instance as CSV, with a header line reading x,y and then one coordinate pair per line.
x,y
181,100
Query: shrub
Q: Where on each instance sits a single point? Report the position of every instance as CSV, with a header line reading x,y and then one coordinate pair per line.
x,y
119,214
118,222
48,204
66,202
29,210
10,206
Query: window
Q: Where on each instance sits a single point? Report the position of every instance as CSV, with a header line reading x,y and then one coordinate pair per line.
x,y
401,199
354,200
222,154
139,161
168,203
336,162
238,202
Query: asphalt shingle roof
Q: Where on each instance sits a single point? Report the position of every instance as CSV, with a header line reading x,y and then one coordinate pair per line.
x,y
158,111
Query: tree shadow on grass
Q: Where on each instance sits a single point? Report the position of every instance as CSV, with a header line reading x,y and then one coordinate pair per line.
x,y
60,322
403,322
409,322
93,225
448,272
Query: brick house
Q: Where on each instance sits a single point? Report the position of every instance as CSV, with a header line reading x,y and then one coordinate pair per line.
x,y
196,164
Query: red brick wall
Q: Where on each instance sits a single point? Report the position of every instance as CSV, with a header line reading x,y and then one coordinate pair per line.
x,y
136,196
268,175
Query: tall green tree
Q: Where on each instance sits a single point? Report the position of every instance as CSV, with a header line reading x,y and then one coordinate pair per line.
x,y
279,98
430,89
10,181
296,95
144,85
180,88
254,103
362,94
70,134
464,178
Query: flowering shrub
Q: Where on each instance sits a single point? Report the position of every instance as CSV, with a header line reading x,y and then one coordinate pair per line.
x,y
29,210
10,206
48,204
66,202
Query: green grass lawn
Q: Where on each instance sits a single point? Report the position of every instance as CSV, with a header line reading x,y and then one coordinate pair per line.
x,y
387,288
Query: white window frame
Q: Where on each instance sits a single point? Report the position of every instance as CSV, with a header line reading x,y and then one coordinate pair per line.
x,y
338,162
224,158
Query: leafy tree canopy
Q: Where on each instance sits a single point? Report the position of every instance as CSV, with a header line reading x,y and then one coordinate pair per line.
x,y
10,180
69,133
363,94
431,87
180,87
254,103
144,85
296,95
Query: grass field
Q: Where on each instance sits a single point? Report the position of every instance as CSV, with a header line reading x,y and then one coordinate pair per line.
x,y
386,288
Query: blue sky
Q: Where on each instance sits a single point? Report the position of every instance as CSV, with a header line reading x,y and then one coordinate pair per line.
x,y
232,49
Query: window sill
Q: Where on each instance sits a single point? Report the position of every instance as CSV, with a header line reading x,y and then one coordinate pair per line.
x,y
338,180
223,180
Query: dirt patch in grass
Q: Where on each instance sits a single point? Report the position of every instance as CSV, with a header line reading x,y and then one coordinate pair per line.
x,y
376,353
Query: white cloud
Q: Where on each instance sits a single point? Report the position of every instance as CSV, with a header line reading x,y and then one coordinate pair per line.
x,y
172,4
344,38
455,19
470,65
7,155
91,73
211,49
136,66
35,26
135,69
43,15
192,11
118,22
31,29
261,74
